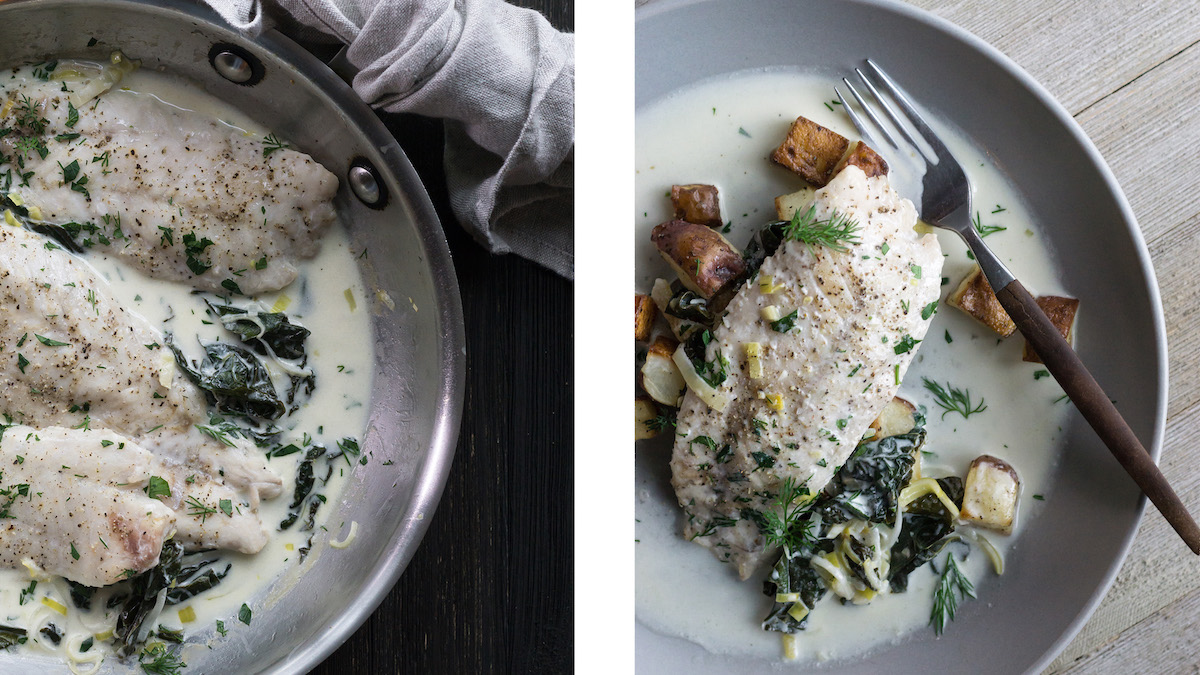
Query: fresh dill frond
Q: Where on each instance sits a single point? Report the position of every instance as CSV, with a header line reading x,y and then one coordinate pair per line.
x,y
787,528
951,587
28,115
163,660
272,143
199,508
985,230
216,434
952,399
834,232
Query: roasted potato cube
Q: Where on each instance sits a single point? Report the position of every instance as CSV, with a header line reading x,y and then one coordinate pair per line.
x,y
698,204
811,150
862,156
787,205
990,494
644,413
660,376
975,297
704,260
1061,312
897,417
644,312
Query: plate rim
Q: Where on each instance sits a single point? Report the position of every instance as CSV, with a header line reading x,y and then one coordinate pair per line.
x,y
654,8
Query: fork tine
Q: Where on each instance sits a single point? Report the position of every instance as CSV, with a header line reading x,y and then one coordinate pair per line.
x,y
870,113
859,124
910,110
890,112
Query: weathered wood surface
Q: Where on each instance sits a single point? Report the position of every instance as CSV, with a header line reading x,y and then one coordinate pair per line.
x,y
1129,71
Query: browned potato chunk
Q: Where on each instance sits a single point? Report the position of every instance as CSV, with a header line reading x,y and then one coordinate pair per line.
x,y
862,156
697,204
644,312
811,150
1061,312
897,417
644,413
975,297
704,260
990,494
787,205
660,376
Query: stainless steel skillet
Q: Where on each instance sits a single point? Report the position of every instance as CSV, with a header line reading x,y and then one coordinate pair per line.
x,y
418,378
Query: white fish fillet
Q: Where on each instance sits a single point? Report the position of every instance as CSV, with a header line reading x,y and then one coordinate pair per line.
x,y
70,355
157,175
833,372
73,504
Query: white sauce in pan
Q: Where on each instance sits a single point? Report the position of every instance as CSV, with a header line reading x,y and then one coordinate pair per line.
x,y
340,350
721,132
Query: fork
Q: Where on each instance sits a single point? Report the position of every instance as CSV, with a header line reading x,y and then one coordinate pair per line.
x,y
946,203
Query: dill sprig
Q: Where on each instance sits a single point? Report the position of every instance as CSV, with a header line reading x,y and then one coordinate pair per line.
x,y
952,399
833,232
29,115
216,434
199,508
985,230
163,660
787,528
272,143
953,585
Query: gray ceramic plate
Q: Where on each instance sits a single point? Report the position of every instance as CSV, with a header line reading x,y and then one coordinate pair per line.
x,y
1069,555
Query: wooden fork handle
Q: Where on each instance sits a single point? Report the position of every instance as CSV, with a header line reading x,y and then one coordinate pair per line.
x,y
1097,408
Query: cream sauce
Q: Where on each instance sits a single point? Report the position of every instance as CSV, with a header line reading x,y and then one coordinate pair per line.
x,y
721,132
341,353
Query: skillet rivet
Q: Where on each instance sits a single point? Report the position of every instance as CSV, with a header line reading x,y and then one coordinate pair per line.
x,y
364,184
233,67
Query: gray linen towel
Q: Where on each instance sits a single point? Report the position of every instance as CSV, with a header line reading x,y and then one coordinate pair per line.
x,y
501,78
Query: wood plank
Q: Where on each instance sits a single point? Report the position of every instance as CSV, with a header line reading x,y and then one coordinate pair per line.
x,y
1161,643
1147,133
1160,569
1080,51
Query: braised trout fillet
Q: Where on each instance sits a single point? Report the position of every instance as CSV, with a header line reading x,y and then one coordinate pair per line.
x,y
74,357
74,504
858,320
173,193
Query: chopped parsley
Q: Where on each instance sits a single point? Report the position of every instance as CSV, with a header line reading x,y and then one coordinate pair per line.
x,y
906,344
156,487
785,323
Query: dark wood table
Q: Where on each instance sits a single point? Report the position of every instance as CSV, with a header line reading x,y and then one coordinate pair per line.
x,y
491,587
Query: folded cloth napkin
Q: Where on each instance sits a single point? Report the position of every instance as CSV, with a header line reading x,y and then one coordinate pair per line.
x,y
501,78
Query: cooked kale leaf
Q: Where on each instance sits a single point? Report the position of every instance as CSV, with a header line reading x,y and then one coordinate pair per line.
x,y
11,636
868,485
866,488
304,485
265,332
233,379
177,575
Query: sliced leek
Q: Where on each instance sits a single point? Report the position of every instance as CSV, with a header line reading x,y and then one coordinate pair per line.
x,y
707,393
919,488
